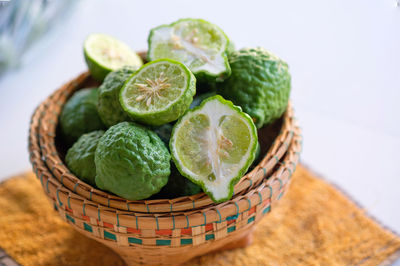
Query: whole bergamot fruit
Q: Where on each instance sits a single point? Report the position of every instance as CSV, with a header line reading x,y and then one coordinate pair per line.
x,y
80,157
131,161
109,108
259,83
178,186
79,115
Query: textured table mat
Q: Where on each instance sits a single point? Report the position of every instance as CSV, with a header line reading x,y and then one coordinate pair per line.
x,y
314,224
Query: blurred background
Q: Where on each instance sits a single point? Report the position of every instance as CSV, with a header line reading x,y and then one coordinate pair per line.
x,y
344,58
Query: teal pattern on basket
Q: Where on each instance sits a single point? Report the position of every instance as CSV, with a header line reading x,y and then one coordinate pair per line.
x,y
109,235
69,218
251,219
87,227
266,210
210,236
280,195
134,240
58,198
233,217
163,242
231,229
186,241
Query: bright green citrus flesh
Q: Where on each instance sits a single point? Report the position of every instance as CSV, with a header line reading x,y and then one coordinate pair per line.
x,y
158,93
200,45
105,53
213,145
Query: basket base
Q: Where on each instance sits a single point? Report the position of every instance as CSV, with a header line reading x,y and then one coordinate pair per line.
x,y
180,255
245,241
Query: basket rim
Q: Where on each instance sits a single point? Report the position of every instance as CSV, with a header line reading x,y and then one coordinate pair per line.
x,y
46,131
270,189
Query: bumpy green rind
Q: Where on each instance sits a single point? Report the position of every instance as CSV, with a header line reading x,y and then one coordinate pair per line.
x,y
79,115
177,186
203,76
80,157
241,172
109,107
174,111
259,83
131,161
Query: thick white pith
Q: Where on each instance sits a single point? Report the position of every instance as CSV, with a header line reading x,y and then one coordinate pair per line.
x,y
188,51
223,172
111,52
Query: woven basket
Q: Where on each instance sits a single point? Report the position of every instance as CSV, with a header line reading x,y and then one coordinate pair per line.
x,y
279,134
160,231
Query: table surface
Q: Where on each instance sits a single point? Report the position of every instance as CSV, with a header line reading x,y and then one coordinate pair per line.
x,y
344,57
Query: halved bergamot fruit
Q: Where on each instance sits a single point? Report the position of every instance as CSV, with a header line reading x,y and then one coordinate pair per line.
x,y
199,44
213,145
104,54
159,92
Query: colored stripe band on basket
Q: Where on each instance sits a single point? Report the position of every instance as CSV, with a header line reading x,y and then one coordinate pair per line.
x,y
280,183
75,186
47,185
58,197
237,208
270,192
220,217
260,195
249,204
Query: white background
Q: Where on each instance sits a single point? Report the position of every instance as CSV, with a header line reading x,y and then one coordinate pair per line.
x,y
344,57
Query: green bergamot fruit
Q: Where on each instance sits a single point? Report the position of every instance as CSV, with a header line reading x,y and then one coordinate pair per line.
x,y
159,92
131,161
259,83
109,107
213,145
79,115
80,157
104,53
199,44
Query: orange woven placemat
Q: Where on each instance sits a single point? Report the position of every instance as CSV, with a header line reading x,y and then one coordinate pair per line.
x,y
314,224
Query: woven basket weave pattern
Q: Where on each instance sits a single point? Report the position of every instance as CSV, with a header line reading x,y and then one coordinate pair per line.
x,y
155,231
